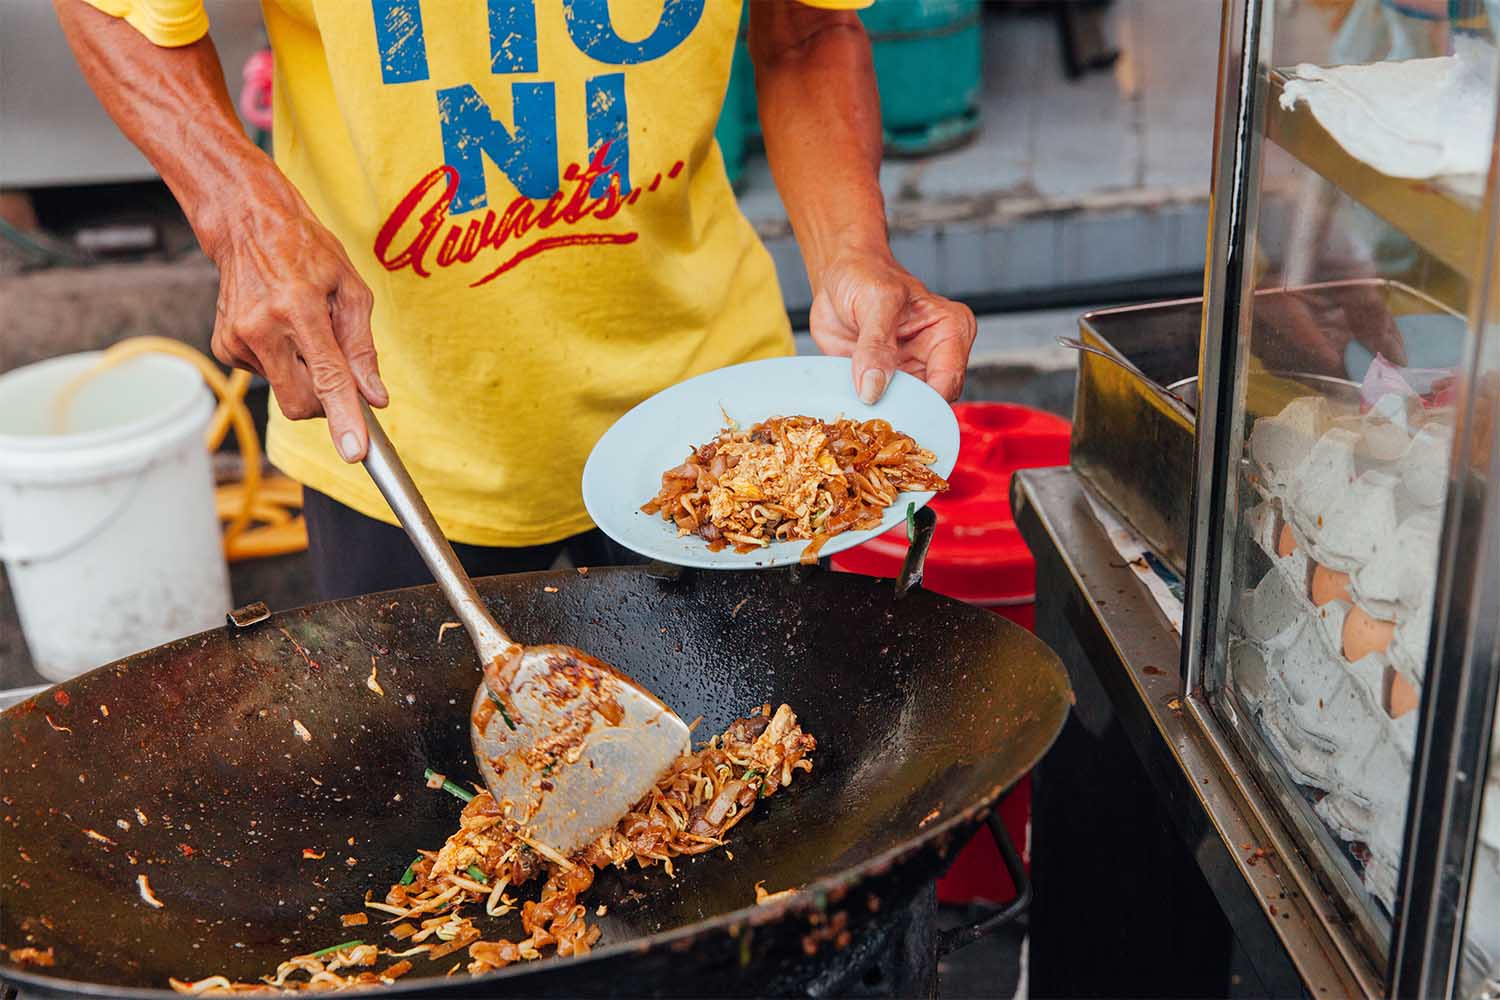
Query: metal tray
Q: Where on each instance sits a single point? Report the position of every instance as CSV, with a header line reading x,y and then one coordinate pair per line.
x,y
1131,446
1133,438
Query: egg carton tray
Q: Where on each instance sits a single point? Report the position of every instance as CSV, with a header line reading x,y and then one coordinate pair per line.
x,y
1324,717
1360,494
1348,519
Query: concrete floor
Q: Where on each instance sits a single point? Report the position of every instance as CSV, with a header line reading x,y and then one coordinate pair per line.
x,y
992,967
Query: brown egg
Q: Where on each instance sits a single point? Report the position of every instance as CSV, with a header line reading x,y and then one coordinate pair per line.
x,y
1401,695
1286,542
1329,585
1364,635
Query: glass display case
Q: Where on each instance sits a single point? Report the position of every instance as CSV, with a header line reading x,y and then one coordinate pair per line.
x,y
1480,977
1343,570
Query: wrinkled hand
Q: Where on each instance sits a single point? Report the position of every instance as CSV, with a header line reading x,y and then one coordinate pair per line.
x,y
1308,330
870,308
292,308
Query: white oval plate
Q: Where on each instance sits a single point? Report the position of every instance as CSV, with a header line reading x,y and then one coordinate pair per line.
x,y
624,469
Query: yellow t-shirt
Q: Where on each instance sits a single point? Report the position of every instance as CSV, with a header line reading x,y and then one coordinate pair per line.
x,y
532,190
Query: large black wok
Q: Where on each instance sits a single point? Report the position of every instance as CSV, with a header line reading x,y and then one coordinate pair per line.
x,y
925,711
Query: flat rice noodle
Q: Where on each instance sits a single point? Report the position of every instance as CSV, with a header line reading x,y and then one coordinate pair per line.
x,y
496,954
464,938
921,479
844,519
721,803
862,484
778,428
687,471
809,555
674,482
862,457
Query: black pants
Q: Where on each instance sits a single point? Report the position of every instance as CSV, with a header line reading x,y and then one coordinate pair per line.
x,y
353,554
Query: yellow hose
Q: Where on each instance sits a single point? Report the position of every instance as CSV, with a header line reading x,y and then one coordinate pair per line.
x,y
251,499
273,540
239,382
275,489
228,504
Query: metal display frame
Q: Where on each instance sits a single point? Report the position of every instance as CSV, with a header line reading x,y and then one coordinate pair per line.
x,y
1420,950
1459,707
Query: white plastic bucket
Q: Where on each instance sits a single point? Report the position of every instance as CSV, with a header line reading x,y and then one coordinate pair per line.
x,y
107,522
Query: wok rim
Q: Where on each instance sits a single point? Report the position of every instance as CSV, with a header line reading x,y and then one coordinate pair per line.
x,y
805,900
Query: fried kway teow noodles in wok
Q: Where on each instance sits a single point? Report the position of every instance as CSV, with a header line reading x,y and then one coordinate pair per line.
x,y
429,913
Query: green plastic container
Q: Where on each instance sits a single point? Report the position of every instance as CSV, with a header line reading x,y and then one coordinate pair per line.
x,y
732,131
927,66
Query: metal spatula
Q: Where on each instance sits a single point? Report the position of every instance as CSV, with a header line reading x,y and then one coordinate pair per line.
x,y
569,741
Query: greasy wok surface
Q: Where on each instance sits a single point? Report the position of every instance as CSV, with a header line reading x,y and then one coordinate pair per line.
x,y
924,709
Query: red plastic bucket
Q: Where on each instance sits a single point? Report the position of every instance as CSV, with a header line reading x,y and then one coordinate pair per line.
x,y
978,556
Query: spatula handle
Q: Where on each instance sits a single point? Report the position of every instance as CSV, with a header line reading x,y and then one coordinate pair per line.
x,y
390,475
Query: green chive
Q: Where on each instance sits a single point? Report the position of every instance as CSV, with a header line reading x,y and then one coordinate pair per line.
x,y
911,522
477,875
410,875
547,771
333,948
450,787
501,706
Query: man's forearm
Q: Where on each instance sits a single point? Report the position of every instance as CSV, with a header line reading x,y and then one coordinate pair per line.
x,y
820,116
174,105
291,305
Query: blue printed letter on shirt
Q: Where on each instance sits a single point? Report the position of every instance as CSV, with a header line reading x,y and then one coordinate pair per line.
x,y
527,155
608,122
512,36
398,33
594,33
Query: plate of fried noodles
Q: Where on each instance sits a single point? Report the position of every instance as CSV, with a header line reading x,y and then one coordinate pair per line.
x,y
768,463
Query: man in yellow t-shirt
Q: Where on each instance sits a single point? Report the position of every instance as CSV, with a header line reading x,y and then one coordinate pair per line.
x,y
520,206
